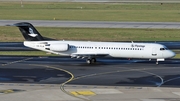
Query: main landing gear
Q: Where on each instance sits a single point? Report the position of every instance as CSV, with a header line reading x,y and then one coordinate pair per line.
x,y
91,60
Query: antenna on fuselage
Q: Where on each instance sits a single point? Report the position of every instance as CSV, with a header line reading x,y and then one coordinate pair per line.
x,y
132,44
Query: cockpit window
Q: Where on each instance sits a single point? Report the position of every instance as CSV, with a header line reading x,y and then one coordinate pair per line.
x,y
163,48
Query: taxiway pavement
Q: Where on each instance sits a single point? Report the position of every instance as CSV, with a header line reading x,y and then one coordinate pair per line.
x,y
63,78
108,71
96,24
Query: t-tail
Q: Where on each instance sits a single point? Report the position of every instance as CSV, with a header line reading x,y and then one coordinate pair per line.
x,y
29,32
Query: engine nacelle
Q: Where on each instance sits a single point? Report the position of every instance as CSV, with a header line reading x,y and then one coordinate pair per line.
x,y
58,47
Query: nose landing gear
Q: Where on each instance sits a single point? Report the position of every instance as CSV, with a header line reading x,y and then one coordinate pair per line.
x,y
157,61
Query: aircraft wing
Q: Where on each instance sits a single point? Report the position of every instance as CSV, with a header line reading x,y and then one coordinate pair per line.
x,y
87,55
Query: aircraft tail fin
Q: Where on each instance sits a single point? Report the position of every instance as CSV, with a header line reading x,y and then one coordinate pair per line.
x,y
29,31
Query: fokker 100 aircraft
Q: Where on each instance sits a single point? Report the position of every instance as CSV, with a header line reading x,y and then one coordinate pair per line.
x,y
91,50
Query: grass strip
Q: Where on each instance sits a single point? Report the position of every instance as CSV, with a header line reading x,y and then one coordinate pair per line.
x,y
12,34
26,53
166,12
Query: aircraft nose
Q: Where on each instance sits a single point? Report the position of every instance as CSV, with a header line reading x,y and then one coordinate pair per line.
x,y
171,54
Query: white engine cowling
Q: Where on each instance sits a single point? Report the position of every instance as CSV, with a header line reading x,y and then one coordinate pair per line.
x,y
59,47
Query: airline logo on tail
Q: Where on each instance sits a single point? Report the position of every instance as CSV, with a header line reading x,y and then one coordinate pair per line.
x,y
32,34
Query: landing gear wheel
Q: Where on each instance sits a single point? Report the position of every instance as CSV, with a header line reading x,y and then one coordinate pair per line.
x,y
88,61
93,60
157,63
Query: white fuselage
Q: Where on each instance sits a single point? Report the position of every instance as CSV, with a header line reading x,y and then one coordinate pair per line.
x,y
110,49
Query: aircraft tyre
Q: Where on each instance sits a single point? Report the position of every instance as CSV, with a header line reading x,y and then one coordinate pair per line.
x,y
157,63
93,60
90,61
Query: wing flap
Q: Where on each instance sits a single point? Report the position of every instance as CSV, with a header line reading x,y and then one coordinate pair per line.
x,y
88,55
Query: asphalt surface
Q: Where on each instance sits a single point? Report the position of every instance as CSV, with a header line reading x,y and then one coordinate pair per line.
x,y
96,24
66,79
13,46
108,71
